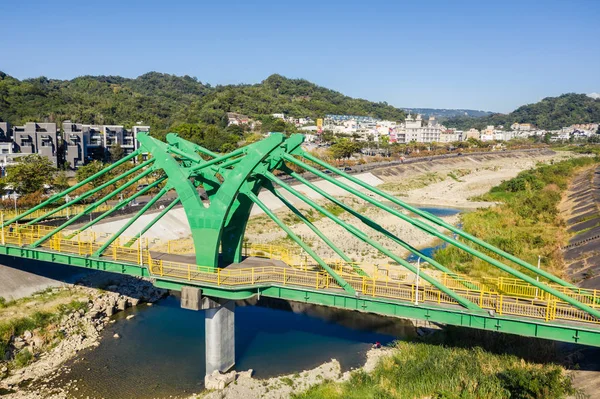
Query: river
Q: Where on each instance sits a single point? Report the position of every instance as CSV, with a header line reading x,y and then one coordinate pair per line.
x,y
160,352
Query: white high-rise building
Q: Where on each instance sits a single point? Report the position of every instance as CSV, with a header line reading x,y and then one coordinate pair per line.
x,y
414,129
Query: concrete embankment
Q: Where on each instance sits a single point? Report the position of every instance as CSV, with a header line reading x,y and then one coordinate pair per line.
x,y
581,209
22,277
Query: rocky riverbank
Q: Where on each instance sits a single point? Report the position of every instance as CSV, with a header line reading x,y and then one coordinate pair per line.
x,y
77,327
242,385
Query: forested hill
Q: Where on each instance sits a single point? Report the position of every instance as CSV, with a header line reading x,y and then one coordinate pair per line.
x,y
164,101
550,113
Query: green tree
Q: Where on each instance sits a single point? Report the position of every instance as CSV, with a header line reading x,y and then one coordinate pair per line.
x,y
30,174
61,181
85,171
344,148
116,152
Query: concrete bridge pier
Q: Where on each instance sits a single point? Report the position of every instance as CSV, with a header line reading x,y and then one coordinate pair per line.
x,y
219,325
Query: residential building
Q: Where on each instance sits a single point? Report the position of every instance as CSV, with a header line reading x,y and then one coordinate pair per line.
x,y
451,136
5,131
130,143
84,143
237,119
472,134
76,138
523,126
414,129
36,138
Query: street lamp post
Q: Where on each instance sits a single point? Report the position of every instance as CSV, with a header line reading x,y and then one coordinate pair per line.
x,y
417,283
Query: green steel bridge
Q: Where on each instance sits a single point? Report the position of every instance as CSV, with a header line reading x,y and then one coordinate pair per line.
x,y
528,301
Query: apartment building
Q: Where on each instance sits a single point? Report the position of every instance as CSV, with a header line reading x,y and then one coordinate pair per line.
x,y
84,143
414,129
36,138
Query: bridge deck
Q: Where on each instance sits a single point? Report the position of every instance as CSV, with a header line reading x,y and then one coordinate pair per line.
x,y
500,299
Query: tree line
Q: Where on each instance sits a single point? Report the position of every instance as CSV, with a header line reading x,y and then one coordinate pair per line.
x,y
551,113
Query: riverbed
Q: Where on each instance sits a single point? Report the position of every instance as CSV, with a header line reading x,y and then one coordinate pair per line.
x,y
160,352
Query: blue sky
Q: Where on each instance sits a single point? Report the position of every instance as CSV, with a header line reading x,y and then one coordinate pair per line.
x,y
492,55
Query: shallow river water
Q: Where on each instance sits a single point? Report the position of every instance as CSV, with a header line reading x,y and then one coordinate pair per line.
x,y
161,350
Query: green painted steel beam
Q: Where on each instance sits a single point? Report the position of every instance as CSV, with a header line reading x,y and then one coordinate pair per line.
x,y
131,221
152,223
88,194
431,230
315,230
571,333
377,227
343,283
362,236
62,194
118,206
222,158
438,221
93,206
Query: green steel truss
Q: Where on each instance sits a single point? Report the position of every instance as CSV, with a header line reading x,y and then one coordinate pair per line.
x,y
217,193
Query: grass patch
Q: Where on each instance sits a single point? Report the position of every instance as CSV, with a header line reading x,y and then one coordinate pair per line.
x,y
287,381
23,358
417,370
526,223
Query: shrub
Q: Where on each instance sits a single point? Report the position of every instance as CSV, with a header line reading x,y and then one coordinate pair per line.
x,y
23,358
536,383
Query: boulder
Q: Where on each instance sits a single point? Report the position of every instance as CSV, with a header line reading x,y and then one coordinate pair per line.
x,y
245,374
122,304
133,302
218,381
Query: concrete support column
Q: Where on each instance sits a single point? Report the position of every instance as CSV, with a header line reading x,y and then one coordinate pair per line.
x,y
220,336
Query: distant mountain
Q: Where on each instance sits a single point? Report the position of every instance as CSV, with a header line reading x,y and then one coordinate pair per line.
x,y
551,113
164,101
441,113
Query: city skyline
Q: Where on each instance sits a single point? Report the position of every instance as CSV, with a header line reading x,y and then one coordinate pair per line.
x,y
471,55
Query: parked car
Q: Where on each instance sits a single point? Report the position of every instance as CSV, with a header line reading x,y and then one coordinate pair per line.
x,y
141,187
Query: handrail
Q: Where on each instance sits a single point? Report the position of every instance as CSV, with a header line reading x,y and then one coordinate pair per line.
x,y
503,295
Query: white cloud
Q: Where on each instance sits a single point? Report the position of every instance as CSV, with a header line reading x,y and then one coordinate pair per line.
x,y
594,95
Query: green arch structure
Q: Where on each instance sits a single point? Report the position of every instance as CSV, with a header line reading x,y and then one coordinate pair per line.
x,y
218,191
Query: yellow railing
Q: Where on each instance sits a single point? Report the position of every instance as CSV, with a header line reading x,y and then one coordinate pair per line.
x,y
502,295
547,309
67,212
